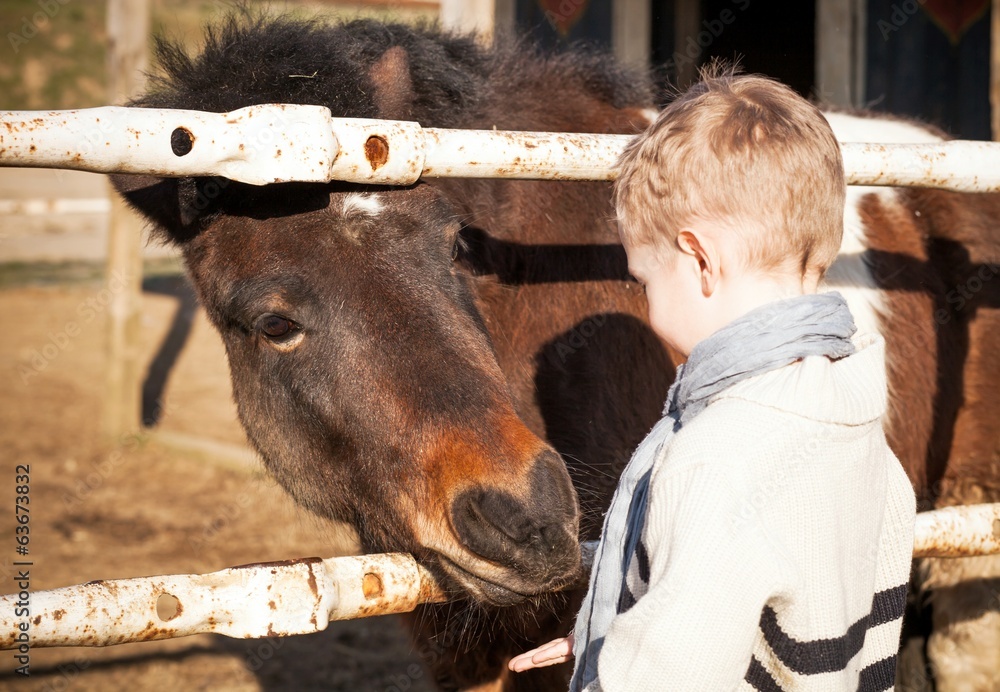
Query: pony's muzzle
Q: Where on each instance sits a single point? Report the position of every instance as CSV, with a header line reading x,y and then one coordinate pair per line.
x,y
533,534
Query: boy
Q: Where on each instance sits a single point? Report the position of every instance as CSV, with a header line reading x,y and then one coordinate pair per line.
x,y
761,535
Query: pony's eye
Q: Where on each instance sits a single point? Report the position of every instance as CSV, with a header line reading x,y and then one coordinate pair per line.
x,y
275,326
458,246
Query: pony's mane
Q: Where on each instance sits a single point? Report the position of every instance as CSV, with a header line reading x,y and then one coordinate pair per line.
x,y
250,58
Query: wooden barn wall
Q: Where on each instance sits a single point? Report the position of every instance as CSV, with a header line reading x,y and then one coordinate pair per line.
x,y
931,60
927,59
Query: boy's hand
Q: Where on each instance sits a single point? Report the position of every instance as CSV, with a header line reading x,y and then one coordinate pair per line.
x,y
556,651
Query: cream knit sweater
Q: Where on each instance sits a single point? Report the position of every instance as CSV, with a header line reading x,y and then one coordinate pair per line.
x,y
777,544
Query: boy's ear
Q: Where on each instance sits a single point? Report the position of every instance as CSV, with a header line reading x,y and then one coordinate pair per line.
x,y
700,248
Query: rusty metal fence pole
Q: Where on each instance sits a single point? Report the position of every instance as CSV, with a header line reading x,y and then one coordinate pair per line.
x,y
283,143
302,596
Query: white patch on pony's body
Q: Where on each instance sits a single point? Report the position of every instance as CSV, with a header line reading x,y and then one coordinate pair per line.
x,y
850,274
650,114
854,128
363,203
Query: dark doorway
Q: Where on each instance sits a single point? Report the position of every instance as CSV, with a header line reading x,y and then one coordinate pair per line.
x,y
775,39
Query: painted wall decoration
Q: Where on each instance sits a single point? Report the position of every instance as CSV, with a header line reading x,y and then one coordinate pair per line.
x,y
930,59
556,21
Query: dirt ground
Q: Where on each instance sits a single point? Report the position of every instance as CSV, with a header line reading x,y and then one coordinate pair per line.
x,y
154,509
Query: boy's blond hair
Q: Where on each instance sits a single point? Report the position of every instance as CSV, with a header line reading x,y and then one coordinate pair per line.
x,y
745,151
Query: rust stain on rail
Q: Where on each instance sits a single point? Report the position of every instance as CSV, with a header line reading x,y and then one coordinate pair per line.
x,y
279,563
376,151
371,585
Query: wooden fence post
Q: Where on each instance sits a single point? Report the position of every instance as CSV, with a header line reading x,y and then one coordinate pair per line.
x,y
995,70
469,16
128,26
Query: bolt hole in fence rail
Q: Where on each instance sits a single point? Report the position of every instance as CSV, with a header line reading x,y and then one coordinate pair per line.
x,y
284,143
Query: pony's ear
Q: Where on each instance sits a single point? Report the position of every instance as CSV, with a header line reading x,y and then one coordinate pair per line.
x,y
393,85
177,207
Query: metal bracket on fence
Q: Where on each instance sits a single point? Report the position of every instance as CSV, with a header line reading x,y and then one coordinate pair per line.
x,y
257,145
279,599
283,143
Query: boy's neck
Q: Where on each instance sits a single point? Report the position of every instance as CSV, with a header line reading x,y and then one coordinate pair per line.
x,y
749,291
741,294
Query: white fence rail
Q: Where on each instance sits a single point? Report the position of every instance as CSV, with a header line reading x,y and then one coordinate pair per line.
x,y
282,143
275,599
300,596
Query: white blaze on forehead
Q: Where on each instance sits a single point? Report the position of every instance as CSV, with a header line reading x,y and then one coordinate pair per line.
x,y
850,274
363,203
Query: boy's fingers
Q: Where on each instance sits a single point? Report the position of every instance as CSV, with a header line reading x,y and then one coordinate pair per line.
x,y
558,648
556,651
521,662
524,663
526,660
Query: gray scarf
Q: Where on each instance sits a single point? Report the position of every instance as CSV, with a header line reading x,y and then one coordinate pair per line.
x,y
764,339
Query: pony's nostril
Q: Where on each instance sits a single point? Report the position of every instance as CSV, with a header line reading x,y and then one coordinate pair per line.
x,y
534,533
488,519
495,510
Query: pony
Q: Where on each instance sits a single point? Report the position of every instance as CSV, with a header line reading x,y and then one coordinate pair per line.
x,y
460,369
